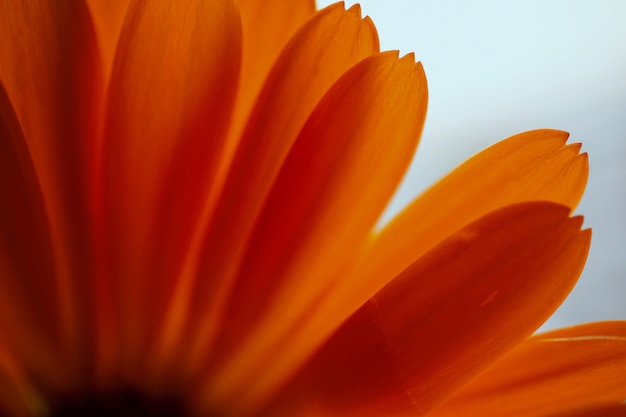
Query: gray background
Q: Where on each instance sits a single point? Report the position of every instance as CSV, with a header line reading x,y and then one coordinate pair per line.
x,y
496,68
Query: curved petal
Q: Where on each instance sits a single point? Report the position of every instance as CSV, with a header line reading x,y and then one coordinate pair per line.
x,y
326,47
267,26
171,91
560,373
334,184
448,316
535,165
52,76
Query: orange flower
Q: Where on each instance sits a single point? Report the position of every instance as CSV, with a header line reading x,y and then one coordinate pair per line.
x,y
188,205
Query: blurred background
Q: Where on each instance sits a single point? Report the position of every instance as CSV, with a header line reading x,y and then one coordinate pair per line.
x,y
497,68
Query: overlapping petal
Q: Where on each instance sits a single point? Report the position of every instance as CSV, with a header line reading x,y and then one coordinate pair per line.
x,y
189,191
528,166
171,92
568,372
333,186
314,59
108,17
441,322
534,165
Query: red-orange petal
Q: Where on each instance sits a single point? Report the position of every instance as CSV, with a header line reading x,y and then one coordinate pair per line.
x,y
333,186
53,79
327,46
567,372
29,320
171,92
449,315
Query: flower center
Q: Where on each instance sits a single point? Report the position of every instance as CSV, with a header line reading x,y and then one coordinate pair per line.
x,y
120,403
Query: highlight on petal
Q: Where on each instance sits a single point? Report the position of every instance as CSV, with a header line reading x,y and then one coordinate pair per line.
x,y
441,322
171,92
568,372
338,177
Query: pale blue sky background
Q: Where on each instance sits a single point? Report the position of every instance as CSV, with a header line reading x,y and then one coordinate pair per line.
x,y
496,68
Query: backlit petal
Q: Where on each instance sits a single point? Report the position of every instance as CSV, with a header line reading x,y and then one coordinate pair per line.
x,y
535,165
327,46
172,88
559,373
449,315
333,186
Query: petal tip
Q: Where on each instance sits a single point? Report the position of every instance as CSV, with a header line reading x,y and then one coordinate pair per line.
x,y
355,9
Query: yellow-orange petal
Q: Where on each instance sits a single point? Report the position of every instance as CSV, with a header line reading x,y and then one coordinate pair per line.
x,y
171,91
267,27
535,165
53,79
449,315
567,372
108,16
326,47
334,184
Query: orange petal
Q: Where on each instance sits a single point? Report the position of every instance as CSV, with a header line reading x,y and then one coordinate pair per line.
x,y
449,315
534,165
267,26
326,47
108,16
567,372
172,87
333,186
52,76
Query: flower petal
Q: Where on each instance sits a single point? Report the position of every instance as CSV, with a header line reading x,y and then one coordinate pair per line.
x,y
326,47
449,315
534,165
599,410
333,186
26,264
557,373
171,91
267,26
53,80
108,16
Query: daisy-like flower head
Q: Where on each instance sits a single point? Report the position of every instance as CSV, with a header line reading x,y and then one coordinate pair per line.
x,y
188,204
